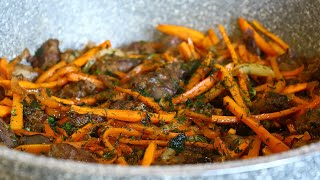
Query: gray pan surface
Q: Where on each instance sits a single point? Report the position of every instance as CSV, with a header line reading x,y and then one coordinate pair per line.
x,y
30,22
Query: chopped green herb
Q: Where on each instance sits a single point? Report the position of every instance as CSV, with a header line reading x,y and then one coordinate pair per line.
x,y
178,143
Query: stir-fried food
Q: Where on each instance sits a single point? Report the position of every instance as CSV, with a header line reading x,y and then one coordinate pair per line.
x,y
190,97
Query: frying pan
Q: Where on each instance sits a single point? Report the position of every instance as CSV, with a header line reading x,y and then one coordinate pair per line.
x,y
29,23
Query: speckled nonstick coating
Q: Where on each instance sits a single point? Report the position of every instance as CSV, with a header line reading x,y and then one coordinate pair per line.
x,y
29,23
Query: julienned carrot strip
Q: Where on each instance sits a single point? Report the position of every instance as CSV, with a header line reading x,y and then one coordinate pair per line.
x,y
4,111
262,44
62,131
16,121
288,140
143,142
182,32
44,99
194,53
224,119
293,72
266,151
90,54
116,132
206,43
262,87
213,36
149,154
277,48
125,115
209,133
6,84
200,73
192,114
273,143
275,115
243,84
269,34
122,161
275,68
198,89
238,151
295,88
214,92
221,146
232,86
146,100
243,54
48,130
153,131
6,101
281,83
34,148
298,100
185,51
85,77
45,75
255,147
229,45
80,133
31,85
63,71
3,68
259,117
64,101
167,56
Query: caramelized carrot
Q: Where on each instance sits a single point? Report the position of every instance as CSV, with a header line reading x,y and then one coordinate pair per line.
x,y
34,148
16,121
182,32
45,75
229,45
200,88
273,143
269,34
84,58
149,154
262,44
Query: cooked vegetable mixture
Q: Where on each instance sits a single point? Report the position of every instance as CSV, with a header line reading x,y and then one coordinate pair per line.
x,y
190,97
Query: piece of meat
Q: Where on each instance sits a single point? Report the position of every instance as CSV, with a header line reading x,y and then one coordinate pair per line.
x,y
34,139
129,105
190,155
34,119
289,61
141,47
309,122
6,135
67,151
271,102
77,89
311,71
168,42
161,83
115,64
79,120
27,72
47,55
250,43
